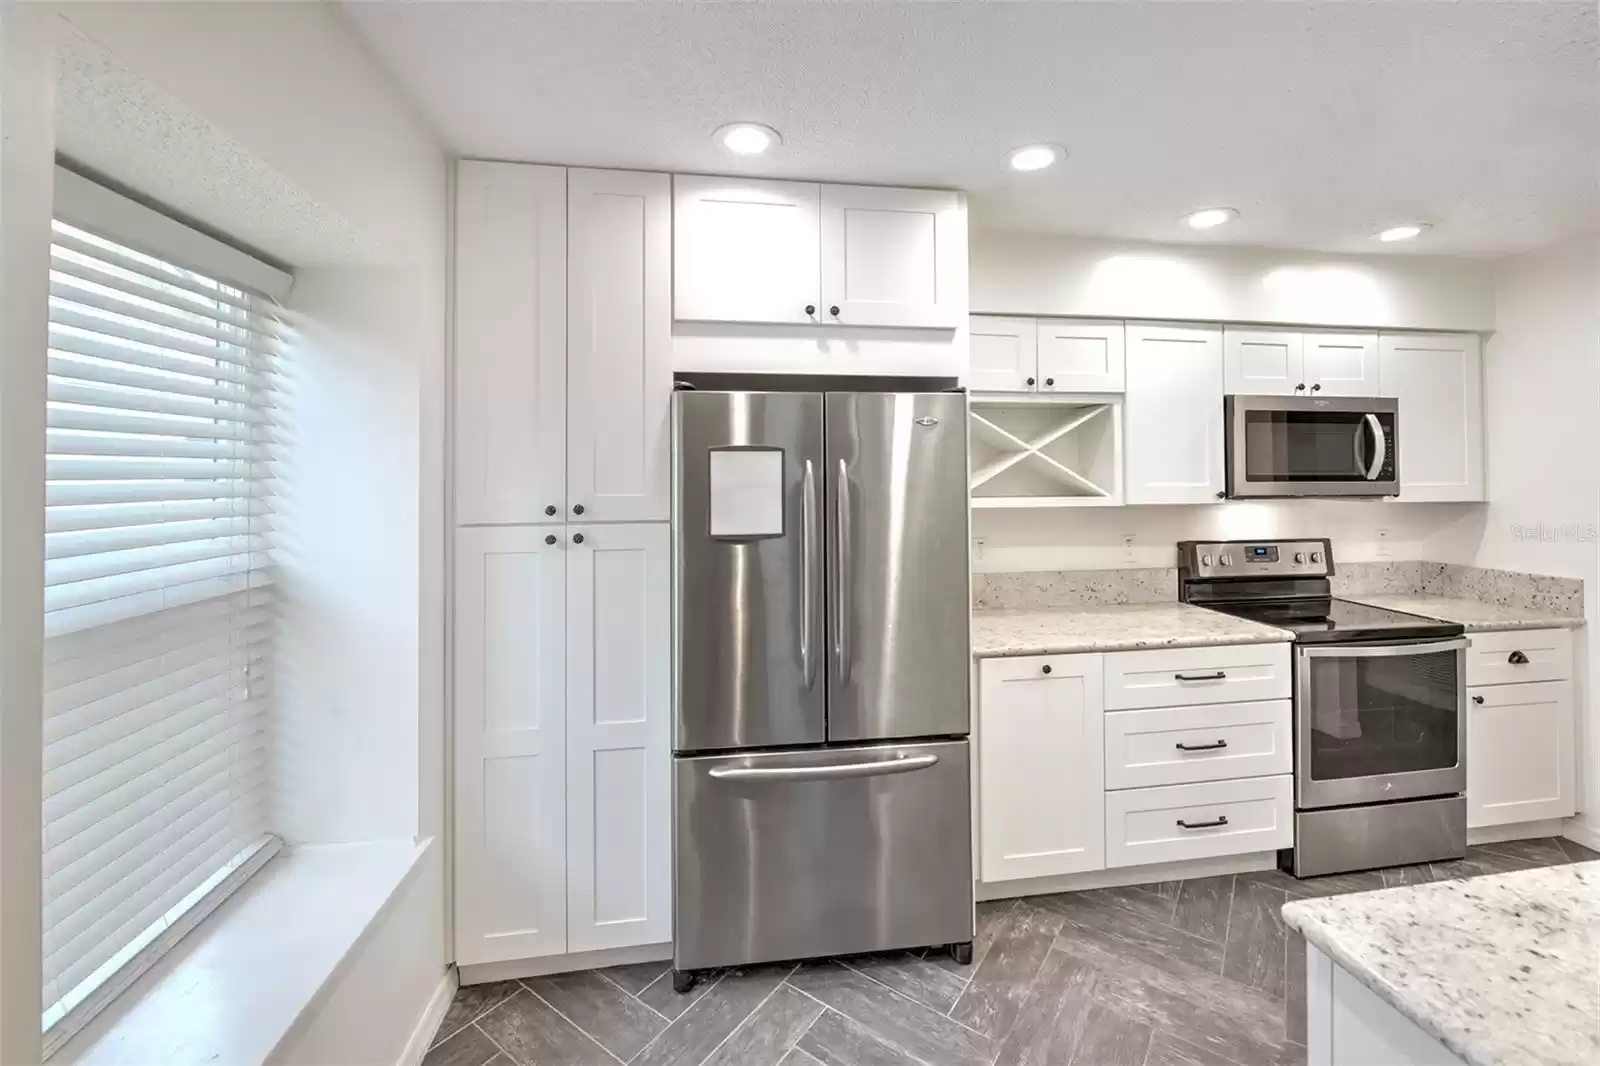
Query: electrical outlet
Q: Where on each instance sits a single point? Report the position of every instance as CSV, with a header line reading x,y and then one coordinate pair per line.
x,y
1127,547
1382,550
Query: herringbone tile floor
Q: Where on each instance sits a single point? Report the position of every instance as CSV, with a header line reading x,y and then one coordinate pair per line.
x,y
1179,973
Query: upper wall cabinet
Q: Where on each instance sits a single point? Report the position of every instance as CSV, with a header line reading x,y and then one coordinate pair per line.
x,y
619,345
510,343
1173,414
786,252
1045,355
1438,379
1291,363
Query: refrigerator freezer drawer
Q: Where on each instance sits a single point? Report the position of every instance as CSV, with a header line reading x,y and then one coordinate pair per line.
x,y
831,851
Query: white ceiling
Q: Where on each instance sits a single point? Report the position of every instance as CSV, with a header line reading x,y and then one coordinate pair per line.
x,y
1321,122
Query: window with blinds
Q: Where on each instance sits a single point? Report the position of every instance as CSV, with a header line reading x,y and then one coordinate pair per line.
x,y
158,649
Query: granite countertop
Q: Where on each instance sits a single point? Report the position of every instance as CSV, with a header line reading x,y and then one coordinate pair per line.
x,y
1152,625
1500,969
1476,615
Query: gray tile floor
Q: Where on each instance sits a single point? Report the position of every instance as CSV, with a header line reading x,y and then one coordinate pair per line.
x,y
1178,973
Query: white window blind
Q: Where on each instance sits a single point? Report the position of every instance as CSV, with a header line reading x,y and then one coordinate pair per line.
x,y
158,651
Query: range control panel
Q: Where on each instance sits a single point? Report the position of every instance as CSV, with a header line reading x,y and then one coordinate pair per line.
x,y
1255,558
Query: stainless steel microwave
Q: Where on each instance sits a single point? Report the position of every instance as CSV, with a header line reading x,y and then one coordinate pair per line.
x,y
1311,446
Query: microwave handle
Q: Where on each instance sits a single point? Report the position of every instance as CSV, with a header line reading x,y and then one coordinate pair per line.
x,y
1380,449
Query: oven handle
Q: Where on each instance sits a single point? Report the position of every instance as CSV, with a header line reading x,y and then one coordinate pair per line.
x,y
1382,651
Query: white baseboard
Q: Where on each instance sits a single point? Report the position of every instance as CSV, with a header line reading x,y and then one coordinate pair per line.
x,y
1493,834
432,1015
1130,875
1576,829
483,972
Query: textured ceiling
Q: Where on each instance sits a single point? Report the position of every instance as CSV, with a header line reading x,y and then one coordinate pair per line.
x,y
1321,122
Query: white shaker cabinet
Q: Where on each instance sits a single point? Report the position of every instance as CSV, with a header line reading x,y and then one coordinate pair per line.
x,y
1173,414
619,345
1041,765
746,250
1438,379
1519,753
510,343
1004,353
510,744
1080,355
562,748
1341,363
1262,362
893,257
619,748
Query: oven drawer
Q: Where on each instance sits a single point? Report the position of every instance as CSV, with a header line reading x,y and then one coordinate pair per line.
x,y
1217,818
1211,742
1515,655
1178,677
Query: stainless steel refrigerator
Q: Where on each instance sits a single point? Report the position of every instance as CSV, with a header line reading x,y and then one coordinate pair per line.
x,y
821,676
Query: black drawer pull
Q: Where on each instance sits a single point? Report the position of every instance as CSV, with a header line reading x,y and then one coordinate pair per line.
x,y
1221,819
1218,676
1213,746
1518,659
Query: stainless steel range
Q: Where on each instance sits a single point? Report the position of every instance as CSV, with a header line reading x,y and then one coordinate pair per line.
x,y
820,772
1379,706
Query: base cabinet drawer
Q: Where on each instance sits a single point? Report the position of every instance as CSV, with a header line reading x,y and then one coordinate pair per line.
x,y
1211,742
1178,822
1177,677
1513,656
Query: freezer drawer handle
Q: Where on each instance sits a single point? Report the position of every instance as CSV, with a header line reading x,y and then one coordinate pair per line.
x,y
1217,676
1213,746
1221,819
877,768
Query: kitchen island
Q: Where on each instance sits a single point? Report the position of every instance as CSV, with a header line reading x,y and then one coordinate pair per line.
x,y
1492,971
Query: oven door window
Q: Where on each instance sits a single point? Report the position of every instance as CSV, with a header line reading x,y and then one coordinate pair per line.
x,y
1288,446
1376,715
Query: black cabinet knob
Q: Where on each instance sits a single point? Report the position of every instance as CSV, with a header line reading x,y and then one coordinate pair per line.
x,y
1047,668
1518,659
1030,381
1300,387
1049,381
1317,387
550,509
834,310
1477,699
811,309
577,538
549,538
577,508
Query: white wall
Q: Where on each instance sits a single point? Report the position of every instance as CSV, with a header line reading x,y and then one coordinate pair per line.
x,y
27,81
1542,424
1038,274
1090,538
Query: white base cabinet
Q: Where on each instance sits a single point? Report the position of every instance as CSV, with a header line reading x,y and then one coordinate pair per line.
x,y
1520,723
562,746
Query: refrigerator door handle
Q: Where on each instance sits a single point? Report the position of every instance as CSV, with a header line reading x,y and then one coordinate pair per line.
x,y
841,574
899,765
808,570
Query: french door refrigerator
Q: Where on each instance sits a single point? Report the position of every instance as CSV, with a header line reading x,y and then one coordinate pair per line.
x,y
821,676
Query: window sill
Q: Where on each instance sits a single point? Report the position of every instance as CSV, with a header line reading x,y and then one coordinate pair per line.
x,y
237,985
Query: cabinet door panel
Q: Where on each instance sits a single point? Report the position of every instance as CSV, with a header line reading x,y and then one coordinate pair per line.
x,y
1260,362
893,257
1519,753
1438,380
1004,353
1041,766
619,345
1080,355
1173,416
745,250
1341,364
510,342
510,755
618,745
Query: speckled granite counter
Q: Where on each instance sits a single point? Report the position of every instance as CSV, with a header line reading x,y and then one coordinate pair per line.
x,y
1501,969
1476,615
1152,625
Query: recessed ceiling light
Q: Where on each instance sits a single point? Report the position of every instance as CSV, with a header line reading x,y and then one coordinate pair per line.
x,y
1211,217
1034,156
1403,233
748,138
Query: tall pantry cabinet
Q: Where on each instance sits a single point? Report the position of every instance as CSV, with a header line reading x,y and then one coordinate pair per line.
x,y
562,560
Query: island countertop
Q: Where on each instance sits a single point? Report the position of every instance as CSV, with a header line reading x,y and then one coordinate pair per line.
x,y
1120,628
1502,970
1475,615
